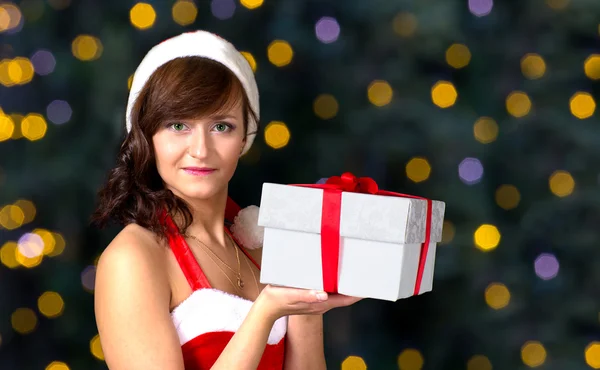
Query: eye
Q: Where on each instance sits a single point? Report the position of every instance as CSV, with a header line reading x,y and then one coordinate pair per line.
x,y
223,127
177,126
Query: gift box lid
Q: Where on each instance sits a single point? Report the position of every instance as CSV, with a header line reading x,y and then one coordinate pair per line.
x,y
363,216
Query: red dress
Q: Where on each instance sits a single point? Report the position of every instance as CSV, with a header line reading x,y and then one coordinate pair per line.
x,y
208,318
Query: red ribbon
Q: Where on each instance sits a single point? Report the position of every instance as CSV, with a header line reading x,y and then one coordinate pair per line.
x,y
330,223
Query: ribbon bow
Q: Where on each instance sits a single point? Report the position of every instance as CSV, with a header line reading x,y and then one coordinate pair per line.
x,y
350,183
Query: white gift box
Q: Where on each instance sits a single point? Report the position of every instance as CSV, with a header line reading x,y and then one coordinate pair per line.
x,y
380,241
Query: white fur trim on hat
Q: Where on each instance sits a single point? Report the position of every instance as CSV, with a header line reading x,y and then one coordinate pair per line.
x,y
246,230
202,44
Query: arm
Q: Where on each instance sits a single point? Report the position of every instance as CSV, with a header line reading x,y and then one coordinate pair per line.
x,y
304,343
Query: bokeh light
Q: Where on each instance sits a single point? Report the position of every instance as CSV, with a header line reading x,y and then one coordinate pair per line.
x,y
28,209
410,359
34,126
533,354
47,239
96,347
380,93
7,127
591,67
592,355
354,363
20,70
43,62
481,8
507,196
129,82
443,94
184,12
487,237
59,245
418,169
497,296
458,56
518,104
88,278
86,48
277,135
57,365
582,105
8,255
31,245
59,112
142,16
24,320
222,9
17,120
251,4
561,183
546,266
325,106
448,232
479,362
11,18
51,304
327,30
470,171
533,66
485,130
250,59
280,53
405,24
11,217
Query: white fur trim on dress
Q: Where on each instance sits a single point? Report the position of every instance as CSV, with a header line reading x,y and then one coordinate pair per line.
x,y
212,310
203,44
246,230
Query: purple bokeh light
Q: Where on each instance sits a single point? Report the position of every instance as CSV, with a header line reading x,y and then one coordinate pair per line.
x,y
31,245
470,171
481,8
88,277
59,112
222,9
327,30
43,62
546,266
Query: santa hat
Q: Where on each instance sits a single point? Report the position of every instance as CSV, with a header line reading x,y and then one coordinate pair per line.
x,y
204,44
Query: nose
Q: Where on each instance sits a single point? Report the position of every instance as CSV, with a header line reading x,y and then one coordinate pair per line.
x,y
199,144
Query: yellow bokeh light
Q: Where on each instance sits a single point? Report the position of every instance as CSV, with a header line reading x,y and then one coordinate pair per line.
x,y
129,82
29,261
142,16
277,135
591,67
533,354
405,24
508,197
448,231
57,365
418,169
410,359
15,73
8,255
354,363
582,105
4,19
5,77
59,245
25,69
380,93
485,130
251,60
280,53
23,320
592,355
17,119
325,106
11,217
518,104
34,126
458,56
251,4
51,304
10,16
96,347
487,237
28,209
7,127
497,296
443,94
561,183
533,66
48,239
86,48
184,12
557,4
479,362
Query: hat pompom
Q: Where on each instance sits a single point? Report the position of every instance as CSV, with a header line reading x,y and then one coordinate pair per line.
x,y
246,230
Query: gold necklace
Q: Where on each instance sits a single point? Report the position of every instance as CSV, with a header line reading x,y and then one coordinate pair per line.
x,y
240,282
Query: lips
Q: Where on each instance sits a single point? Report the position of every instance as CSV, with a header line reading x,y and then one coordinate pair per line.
x,y
199,171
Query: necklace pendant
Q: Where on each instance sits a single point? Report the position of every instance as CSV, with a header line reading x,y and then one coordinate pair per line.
x,y
240,283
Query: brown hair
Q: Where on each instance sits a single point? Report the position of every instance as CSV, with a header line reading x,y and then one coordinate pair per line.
x,y
183,88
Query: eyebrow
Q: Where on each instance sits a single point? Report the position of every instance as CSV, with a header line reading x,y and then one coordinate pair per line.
x,y
222,116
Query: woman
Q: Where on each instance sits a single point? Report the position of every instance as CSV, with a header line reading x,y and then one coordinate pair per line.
x,y
174,289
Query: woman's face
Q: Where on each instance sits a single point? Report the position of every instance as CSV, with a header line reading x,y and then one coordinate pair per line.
x,y
197,158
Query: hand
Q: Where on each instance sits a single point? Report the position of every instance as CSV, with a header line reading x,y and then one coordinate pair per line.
x,y
283,301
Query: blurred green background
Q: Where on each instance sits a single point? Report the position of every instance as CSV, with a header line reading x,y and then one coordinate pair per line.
x,y
488,106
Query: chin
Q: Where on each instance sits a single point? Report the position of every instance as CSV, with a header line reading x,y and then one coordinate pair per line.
x,y
200,192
